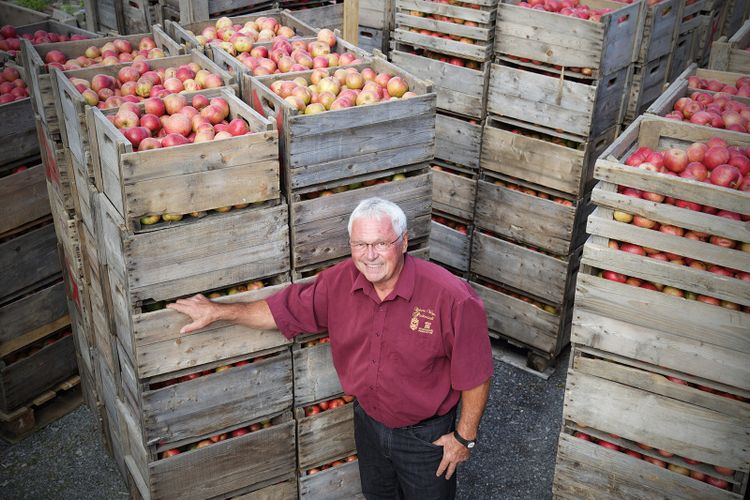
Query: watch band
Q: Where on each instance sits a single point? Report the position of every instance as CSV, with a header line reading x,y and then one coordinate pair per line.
x,y
469,443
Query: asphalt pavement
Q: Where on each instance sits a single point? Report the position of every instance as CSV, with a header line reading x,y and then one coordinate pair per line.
x,y
513,460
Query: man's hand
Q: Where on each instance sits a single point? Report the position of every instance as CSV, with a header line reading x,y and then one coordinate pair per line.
x,y
199,308
453,454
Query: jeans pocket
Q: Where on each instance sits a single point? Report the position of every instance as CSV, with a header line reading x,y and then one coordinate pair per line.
x,y
427,434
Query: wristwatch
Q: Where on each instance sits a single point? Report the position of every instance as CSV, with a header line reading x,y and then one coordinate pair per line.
x,y
469,443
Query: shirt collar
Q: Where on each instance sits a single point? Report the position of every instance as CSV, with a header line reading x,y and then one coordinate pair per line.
x,y
404,285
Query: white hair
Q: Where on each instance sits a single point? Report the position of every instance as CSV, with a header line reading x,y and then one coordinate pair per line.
x,y
374,208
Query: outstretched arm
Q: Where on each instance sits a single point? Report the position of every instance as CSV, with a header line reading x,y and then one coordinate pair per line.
x,y
473,402
203,312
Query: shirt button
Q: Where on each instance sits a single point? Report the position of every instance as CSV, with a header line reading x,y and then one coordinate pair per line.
x,y
372,388
377,334
373,361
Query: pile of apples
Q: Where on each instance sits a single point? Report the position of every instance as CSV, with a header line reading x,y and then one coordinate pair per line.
x,y
252,285
296,55
579,146
437,56
322,340
345,89
115,52
679,469
461,228
539,305
571,8
446,19
574,69
138,81
351,187
12,87
714,162
193,376
265,424
262,29
740,88
35,347
532,192
714,110
315,470
10,40
328,405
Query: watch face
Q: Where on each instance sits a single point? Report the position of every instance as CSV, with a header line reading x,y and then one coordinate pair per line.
x,y
471,444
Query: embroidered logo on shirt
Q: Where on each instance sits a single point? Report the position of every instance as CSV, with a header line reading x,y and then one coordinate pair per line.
x,y
421,320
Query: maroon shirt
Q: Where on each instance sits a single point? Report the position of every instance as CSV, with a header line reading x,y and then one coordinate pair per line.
x,y
406,358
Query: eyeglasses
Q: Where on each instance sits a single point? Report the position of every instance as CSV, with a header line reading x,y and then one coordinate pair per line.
x,y
378,246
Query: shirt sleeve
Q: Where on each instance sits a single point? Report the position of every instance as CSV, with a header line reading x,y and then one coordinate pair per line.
x,y
300,308
471,354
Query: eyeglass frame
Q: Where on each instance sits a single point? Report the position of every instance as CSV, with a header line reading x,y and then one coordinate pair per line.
x,y
362,249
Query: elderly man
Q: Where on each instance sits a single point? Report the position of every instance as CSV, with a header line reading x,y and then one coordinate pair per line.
x,y
408,339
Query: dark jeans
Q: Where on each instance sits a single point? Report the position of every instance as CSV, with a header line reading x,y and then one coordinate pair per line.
x,y
402,463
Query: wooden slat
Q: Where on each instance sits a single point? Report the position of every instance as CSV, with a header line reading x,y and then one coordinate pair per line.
x,y
27,260
340,483
325,436
32,313
453,194
449,246
315,377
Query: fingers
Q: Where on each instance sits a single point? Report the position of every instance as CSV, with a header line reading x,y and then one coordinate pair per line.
x,y
451,470
193,307
443,466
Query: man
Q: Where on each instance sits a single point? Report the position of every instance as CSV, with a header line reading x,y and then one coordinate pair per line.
x,y
408,339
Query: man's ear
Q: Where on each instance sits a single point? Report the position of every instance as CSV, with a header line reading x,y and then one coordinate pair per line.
x,y
404,241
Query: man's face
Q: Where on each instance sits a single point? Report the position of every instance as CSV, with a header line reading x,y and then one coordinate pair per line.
x,y
380,268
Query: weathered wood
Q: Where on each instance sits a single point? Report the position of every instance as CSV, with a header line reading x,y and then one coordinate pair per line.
x,y
315,377
24,196
233,171
606,46
458,141
646,85
555,103
682,53
665,423
449,246
519,267
542,162
24,380
17,131
278,491
337,483
656,32
453,194
519,320
10,13
587,470
28,260
324,437
318,226
525,218
664,332
218,401
732,54
32,314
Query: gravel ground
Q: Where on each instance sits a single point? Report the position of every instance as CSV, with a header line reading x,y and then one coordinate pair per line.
x,y
514,460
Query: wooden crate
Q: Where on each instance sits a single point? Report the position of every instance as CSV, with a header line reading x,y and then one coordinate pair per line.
x,y
18,140
450,246
41,87
223,469
329,15
52,26
605,47
72,107
646,85
577,109
187,410
610,394
709,31
372,39
16,15
453,191
337,483
679,88
522,323
57,166
24,380
318,225
732,54
104,15
458,141
192,11
349,143
412,16
682,54
325,436
529,219
226,250
234,171
688,15
186,31
243,74
546,277
315,378
737,14
138,16
377,14
656,31
459,90
24,196
28,261
533,155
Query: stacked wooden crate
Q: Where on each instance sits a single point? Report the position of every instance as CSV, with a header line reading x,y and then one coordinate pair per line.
x,y
11,13
450,45
233,386
193,11
37,353
656,402
651,58
334,159
732,54
686,36
712,18
553,104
